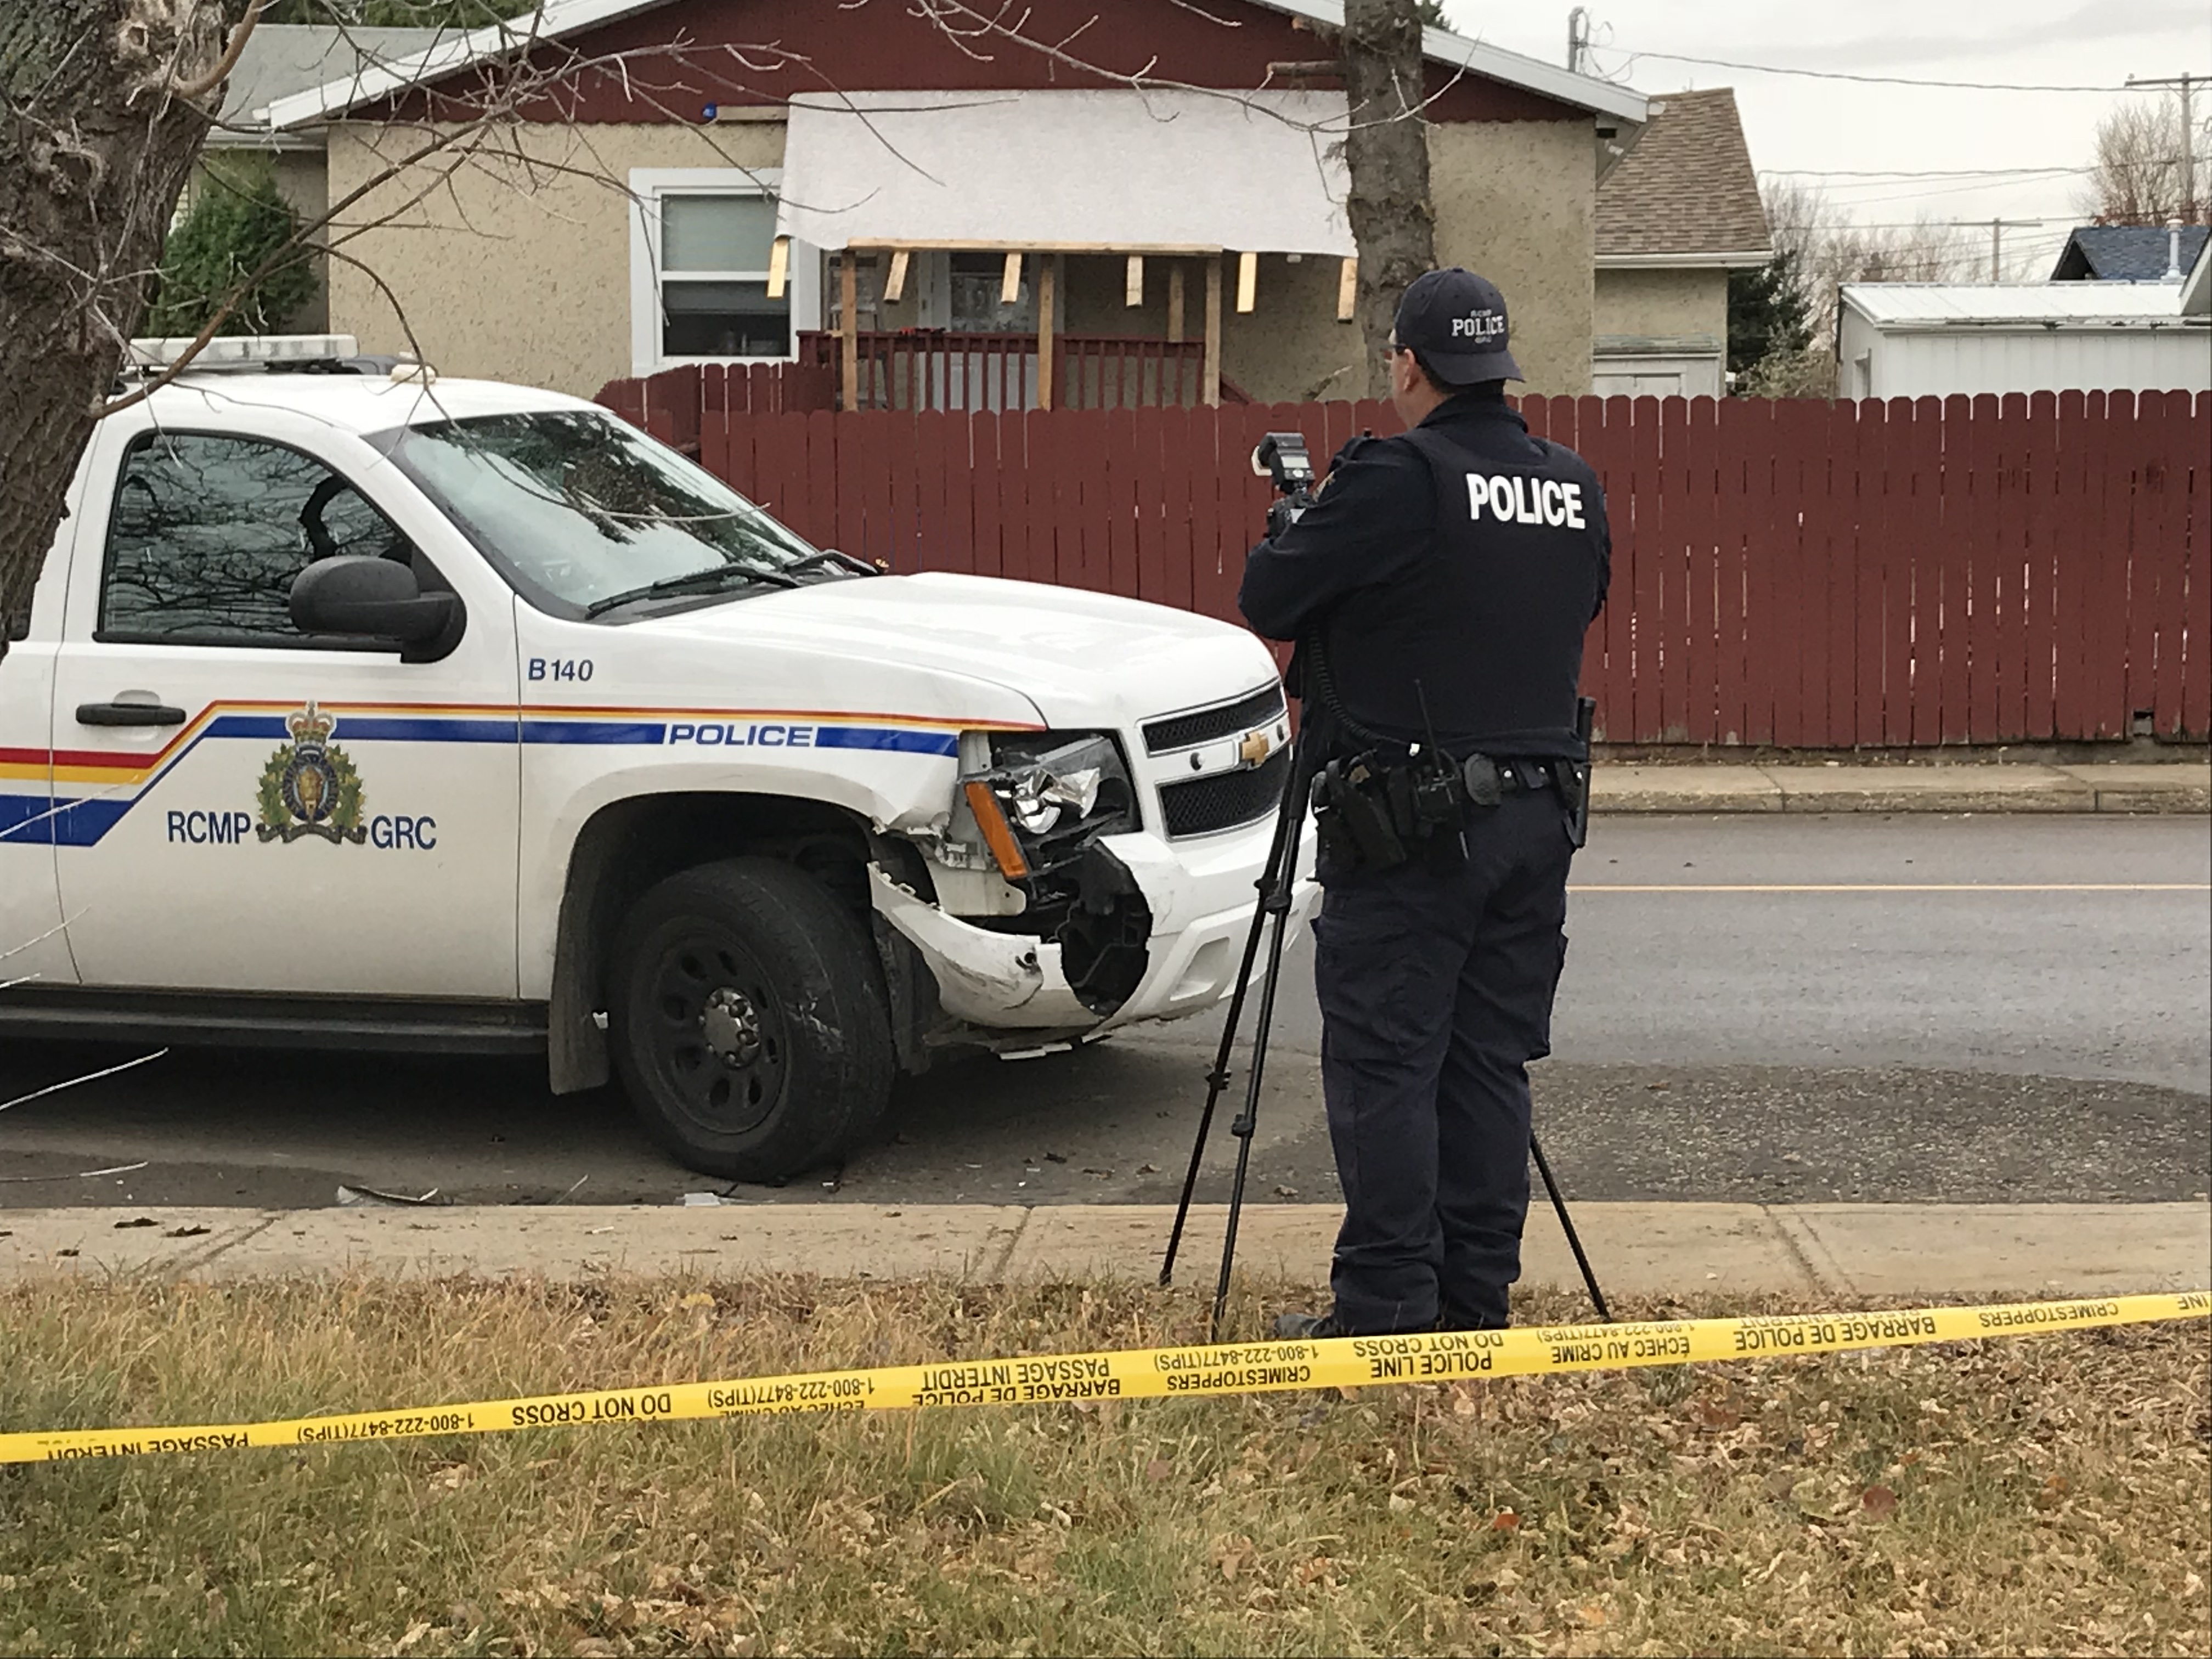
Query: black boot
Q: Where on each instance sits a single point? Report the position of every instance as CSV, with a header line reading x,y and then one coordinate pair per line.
x,y
1306,1327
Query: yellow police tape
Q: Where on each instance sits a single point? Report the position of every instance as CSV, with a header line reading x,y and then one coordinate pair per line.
x,y
1153,1373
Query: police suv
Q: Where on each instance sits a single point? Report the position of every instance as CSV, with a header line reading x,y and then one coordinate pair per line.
x,y
368,709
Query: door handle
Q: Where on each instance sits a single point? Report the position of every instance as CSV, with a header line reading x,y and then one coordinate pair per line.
x,y
129,713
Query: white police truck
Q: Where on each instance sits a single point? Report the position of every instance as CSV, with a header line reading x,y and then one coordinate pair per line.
x,y
367,708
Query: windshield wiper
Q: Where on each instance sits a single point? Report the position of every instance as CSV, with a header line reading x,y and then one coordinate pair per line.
x,y
692,581
830,556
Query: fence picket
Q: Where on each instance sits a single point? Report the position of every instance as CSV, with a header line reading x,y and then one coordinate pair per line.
x,y
2162,553
1945,610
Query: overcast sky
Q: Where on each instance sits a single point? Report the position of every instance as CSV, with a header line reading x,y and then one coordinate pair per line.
x,y
1793,121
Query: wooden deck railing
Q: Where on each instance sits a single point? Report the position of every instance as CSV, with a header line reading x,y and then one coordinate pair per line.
x,y
932,371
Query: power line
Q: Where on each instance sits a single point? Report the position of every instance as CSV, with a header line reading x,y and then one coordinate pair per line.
x,y
1911,172
1866,80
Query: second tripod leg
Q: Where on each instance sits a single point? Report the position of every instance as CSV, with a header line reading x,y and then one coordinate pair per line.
x,y
1279,906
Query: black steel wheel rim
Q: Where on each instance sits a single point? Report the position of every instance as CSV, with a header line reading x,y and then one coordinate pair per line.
x,y
717,1033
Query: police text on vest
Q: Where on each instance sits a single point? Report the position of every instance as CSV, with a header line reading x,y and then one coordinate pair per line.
x,y
1525,500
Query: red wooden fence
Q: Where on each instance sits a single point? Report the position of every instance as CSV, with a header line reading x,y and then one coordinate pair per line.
x,y
1794,572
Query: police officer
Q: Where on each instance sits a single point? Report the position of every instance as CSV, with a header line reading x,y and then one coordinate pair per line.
x,y
1438,589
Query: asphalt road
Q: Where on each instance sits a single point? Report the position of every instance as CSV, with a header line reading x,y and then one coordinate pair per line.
x,y
1776,1009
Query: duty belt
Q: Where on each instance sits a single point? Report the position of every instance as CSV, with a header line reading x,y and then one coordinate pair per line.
x,y
1375,812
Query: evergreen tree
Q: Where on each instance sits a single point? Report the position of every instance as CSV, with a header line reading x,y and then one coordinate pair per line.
x,y
1431,12
237,221
1766,314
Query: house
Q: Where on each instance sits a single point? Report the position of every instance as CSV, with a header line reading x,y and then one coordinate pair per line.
x,y
281,60
770,181
1680,212
1926,339
2129,254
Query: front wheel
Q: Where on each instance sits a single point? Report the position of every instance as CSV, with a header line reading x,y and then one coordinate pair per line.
x,y
748,1020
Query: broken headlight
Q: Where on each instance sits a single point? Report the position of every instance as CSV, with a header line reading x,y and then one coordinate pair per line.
x,y
1036,799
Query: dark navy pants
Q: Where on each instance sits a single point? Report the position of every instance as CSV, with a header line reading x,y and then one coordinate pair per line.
x,y
1435,982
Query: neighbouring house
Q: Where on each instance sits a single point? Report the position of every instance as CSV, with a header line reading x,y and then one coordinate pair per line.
x,y
2129,254
1926,339
1680,212
281,60
961,223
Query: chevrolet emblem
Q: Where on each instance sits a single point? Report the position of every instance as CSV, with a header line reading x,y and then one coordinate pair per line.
x,y
1255,748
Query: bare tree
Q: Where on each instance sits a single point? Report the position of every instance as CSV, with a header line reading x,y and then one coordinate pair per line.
x,y
2137,177
1386,151
107,102
1825,250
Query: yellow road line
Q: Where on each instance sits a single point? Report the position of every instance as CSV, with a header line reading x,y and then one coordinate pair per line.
x,y
1895,887
1148,1373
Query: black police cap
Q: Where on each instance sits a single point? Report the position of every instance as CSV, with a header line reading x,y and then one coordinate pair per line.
x,y
1455,322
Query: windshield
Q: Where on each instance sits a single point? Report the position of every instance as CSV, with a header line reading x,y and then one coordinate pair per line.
x,y
580,507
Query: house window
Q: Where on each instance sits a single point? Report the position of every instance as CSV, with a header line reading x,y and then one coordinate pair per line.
x,y
701,240
714,278
978,282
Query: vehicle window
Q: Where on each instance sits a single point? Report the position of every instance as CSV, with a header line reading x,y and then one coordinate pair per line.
x,y
208,532
580,507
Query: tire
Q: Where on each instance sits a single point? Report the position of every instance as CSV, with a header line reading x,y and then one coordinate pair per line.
x,y
748,1020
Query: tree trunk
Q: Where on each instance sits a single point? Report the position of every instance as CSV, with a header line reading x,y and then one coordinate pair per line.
x,y
95,146
1386,153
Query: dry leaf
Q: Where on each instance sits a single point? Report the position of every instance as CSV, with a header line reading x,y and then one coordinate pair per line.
x,y
1159,1469
1234,1554
1504,1520
698,1299
1879,1502
1399,1503
416,1632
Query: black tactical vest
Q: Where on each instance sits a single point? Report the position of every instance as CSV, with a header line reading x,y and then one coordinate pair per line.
x,y
1488,628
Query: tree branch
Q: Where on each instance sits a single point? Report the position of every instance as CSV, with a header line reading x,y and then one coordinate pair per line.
x,y
227,62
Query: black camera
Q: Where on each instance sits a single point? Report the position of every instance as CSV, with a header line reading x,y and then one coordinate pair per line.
x,y
1283,458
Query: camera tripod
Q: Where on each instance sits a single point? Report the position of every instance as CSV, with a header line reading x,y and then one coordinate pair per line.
x,y
1278,881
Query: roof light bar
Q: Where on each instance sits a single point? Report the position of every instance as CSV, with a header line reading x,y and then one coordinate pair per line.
x,y
244,350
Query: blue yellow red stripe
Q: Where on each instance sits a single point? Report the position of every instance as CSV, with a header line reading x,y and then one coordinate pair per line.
x,y
56,815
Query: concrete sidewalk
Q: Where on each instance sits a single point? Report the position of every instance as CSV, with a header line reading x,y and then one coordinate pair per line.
x,y
1945,786
1841,1251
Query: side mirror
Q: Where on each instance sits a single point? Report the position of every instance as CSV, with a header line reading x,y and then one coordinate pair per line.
x,y
378,597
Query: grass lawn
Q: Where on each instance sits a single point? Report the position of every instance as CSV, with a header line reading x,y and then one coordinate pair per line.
x,y
2047,1494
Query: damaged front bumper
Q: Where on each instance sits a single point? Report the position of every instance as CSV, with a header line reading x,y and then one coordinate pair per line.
x,y
1153,931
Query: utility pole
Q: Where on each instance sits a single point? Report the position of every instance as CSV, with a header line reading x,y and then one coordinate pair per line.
x,y
1997,243
1578,39
2185,83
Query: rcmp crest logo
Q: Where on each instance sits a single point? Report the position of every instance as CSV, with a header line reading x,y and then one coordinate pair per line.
x,y
310,787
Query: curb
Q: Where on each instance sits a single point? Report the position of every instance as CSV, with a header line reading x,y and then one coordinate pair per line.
x,y
2184,786
1812,1251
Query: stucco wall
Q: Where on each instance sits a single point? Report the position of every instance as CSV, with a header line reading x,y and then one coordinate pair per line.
x,y
524,278
1516,201
508,274
1662,302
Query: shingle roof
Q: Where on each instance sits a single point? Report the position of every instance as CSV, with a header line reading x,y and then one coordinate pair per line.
x,y
1687,186
2123,254
281,59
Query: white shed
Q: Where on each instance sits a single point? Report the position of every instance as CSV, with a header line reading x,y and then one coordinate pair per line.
x,y
1933,339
